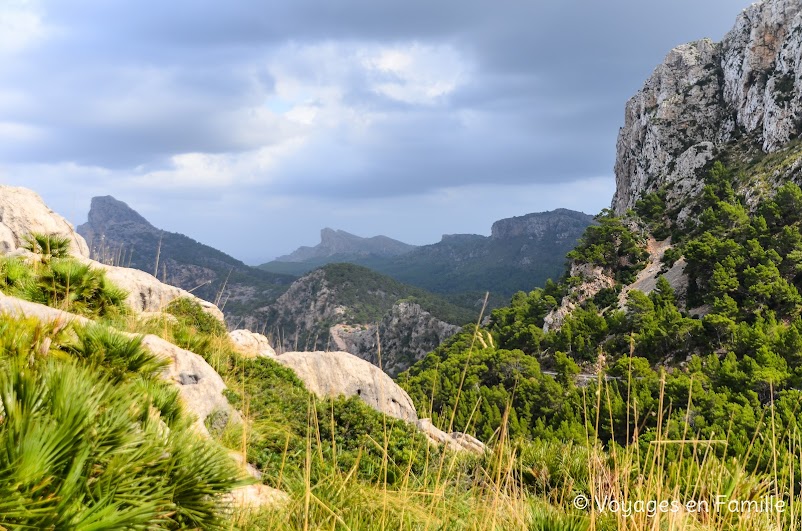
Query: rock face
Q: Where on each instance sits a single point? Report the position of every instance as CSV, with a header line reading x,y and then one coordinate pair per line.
x,y
747,87
558,226
119,235
23,212
341,243
329,374
407,333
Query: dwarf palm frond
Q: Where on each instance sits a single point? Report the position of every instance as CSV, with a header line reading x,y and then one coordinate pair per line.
x,y
80,288
80,451
48,246
15,275
120,355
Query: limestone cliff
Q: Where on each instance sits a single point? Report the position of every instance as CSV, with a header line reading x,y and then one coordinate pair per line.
x,y
706,96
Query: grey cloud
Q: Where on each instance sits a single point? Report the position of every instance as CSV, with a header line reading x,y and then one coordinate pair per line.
x,y
124,86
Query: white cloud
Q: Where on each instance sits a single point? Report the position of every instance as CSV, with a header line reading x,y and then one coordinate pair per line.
x,y
416,73
20,25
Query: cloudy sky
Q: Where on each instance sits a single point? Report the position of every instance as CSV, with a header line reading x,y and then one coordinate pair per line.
x,y
250,125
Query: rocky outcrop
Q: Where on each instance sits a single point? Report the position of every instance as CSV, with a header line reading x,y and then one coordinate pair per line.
x,y
251,345
454,441
594,279
705,95
350,308
200,386
341,244
22,212
331,374
146,293
405,334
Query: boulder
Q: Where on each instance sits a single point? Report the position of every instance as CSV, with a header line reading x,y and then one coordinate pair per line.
x,y
23,212
330,374
146,293
252,345
200,386
455,441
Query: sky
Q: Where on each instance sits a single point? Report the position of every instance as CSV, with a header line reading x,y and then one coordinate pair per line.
x,y
249,125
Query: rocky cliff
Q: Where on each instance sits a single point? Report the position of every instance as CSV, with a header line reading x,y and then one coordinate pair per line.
x,y
558,226
707,96
406,333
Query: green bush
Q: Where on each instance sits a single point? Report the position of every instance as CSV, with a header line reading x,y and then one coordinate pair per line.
x,y
190,313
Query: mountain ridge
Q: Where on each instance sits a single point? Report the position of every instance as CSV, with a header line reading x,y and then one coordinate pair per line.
x,y
521,252
337,242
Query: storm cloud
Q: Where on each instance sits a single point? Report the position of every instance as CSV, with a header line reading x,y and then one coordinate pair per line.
x,y
233,121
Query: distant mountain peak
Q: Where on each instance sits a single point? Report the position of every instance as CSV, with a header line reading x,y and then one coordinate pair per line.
x,y
556,222
106,210
339,242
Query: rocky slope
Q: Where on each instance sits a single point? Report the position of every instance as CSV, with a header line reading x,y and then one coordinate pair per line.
x,y
350,308
119,235
742,94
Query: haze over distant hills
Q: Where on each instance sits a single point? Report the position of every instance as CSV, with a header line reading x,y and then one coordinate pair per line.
x,y
521,253
339,243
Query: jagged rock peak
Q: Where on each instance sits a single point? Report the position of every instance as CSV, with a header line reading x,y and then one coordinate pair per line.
x,y
105,210
561,223
707,94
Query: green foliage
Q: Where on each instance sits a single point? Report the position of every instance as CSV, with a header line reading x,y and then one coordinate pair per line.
x,y
48,246
347,432
79,450
612,245
652,210
191,314
63,283
105,349
721,374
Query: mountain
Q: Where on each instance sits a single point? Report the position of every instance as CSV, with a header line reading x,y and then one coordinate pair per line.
x,y
349,307
118,234
338,243
682,308
738,99
521,253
